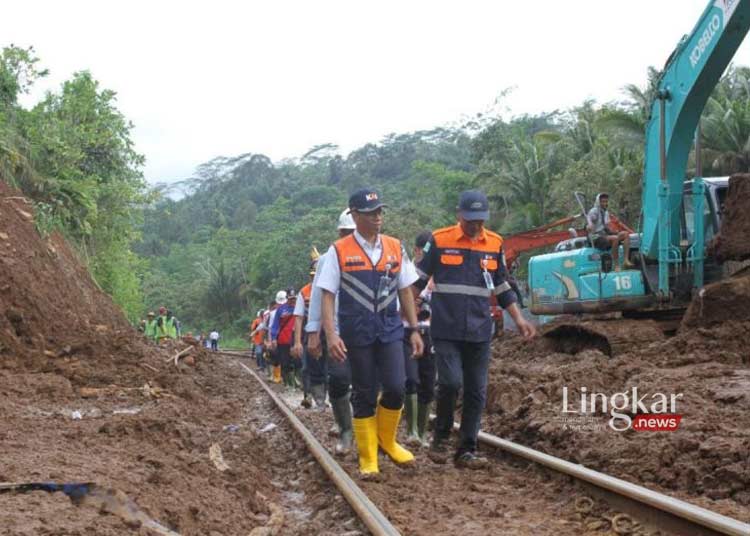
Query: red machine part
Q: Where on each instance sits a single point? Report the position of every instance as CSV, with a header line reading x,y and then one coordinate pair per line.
x,y
539,237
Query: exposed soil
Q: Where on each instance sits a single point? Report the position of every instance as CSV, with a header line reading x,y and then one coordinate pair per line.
x,y
511,497
84,398
200,450
734,241
706,461
727,300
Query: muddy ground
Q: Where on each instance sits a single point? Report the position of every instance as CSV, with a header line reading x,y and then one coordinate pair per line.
x,y
156,448
705,461
511,497
733,244
84,398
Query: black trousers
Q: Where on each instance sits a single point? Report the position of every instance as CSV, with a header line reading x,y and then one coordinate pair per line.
x,y
378,363
284,356
460,362
420,373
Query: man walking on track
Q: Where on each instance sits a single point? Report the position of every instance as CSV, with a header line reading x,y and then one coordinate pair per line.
x,y
313,370
369,273
467,266
339,372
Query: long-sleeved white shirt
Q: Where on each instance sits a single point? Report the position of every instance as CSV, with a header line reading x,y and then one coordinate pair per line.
x,y
314,313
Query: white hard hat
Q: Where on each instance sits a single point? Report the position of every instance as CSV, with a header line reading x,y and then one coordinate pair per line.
x,y
346,221
281,297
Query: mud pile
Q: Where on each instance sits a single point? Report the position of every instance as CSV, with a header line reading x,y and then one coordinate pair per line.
x,y
716,303
534,398
734,241
84,398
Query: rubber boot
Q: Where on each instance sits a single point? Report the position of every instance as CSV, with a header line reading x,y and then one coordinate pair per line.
x,y
423,414
366,432
277,374
319,395
388,420
412,435
342,414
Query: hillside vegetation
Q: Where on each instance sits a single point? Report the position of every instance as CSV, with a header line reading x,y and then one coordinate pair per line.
x,y
245,225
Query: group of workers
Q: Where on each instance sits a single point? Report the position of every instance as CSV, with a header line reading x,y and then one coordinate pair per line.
x,y
161,328
379,330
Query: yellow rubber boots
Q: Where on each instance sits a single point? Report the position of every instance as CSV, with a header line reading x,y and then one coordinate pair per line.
x,y
366,434
277,374
387,422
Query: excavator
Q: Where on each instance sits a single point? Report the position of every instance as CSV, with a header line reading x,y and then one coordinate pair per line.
x,y
677,219
516,244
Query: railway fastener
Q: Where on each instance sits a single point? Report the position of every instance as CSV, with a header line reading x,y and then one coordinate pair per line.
x,y
673,514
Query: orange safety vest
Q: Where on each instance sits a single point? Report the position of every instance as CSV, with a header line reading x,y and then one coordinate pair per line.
x,y
460,297
258,337
368,310
306,293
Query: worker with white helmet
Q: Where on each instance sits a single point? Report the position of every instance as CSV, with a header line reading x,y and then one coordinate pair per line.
x,y
273,350
339,374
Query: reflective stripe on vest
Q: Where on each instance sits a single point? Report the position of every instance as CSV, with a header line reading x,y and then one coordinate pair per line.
x,y
353,261
364,316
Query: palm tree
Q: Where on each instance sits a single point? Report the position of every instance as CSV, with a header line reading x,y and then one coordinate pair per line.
x,y
726,125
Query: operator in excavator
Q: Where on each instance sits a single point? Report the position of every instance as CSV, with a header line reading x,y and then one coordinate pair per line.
x,y
602,237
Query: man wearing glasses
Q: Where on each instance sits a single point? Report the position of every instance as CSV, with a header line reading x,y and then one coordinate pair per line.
x,y
373,277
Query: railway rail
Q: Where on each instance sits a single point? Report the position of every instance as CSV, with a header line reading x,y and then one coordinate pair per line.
x,y
649,507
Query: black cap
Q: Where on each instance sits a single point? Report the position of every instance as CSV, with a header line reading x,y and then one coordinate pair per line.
x,y
290,293
365,200
422,239
473,205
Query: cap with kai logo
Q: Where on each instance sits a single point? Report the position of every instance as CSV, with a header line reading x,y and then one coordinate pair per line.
x,y
365,200
473,206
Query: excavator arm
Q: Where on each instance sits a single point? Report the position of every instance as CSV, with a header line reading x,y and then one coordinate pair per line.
x,y
689,77
516,244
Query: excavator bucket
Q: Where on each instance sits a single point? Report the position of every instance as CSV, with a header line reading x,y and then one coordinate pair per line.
x,y
612,337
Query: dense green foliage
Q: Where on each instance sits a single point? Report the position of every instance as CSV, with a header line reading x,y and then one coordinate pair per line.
x,y
243,227
72,155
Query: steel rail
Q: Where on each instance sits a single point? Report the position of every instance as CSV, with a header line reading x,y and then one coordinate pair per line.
x,y
379,525
680,509
373,518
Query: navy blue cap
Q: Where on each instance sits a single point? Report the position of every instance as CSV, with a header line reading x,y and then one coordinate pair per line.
x,y
422,239
473,205
365,200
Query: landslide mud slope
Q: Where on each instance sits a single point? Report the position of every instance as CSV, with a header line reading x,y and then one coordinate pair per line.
x,y
83,398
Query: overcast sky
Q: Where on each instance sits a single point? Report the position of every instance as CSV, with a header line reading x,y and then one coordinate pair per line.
x,y
202,79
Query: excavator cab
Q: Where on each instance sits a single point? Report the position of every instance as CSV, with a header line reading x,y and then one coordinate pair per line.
x,y
580,278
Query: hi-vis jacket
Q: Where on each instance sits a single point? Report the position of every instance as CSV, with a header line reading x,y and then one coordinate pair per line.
x,y
306,292
364,315
460,297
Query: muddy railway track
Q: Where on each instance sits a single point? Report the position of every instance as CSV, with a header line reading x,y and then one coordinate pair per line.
x,y
659,513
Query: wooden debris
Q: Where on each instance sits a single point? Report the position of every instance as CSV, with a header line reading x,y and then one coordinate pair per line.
x,y
149,367
214,453
178,355
25,215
